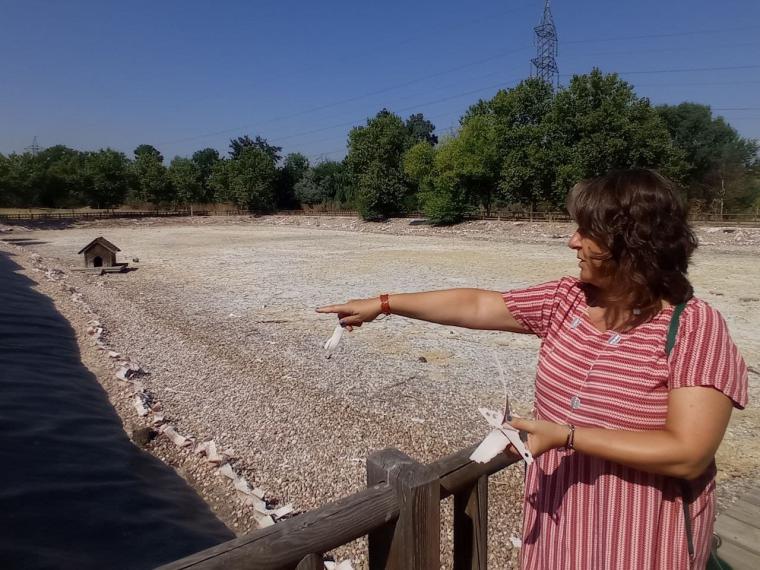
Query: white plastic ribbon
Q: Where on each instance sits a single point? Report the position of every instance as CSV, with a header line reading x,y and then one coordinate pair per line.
x,y
334,340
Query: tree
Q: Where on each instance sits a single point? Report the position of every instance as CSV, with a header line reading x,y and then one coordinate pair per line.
x,y
6,190
376,150
418,165
381,190
307,190
442,195
293,169
247,181
205,159
717,159
185,178
21,181
148,150
332,179
420,129
237,145
61,176
521,135
472,161
152,181
321,184
107,175
598,124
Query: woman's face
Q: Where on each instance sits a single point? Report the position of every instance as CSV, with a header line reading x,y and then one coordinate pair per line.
x,y
588,252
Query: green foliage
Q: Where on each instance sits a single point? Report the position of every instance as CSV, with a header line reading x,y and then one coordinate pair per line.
x,y
148,150
443,196
420,129
375,151
333,181
324,183
598,124
20,180
151,179
62,177
380,191
718,161
418,165
293,169
205,159
247,181
471,162
237,145
185,177
107,173
308,190
52,178
445,204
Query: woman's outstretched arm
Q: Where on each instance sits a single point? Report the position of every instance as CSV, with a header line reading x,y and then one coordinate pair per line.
x,y
469,308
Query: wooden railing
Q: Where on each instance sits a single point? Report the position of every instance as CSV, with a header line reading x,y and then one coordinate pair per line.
x,y
101,215
399,511
734,219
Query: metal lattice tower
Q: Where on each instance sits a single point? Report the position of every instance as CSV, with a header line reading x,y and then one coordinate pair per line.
x,y
545,62
34,148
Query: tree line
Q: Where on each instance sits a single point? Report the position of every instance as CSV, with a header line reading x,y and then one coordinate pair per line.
x,y
524,147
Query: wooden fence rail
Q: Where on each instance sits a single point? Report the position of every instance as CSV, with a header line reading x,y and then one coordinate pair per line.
x,y
738,219
399,511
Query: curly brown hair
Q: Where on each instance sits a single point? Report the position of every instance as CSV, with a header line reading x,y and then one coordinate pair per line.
x,y
639,220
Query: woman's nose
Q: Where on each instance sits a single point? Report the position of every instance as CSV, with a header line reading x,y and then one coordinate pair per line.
x,y
575,241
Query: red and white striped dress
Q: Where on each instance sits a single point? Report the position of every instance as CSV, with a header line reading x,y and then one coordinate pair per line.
x,y
584,513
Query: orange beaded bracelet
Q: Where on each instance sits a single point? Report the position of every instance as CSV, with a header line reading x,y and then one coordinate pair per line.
x,y
385,307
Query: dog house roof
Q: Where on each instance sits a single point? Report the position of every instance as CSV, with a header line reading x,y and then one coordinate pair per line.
x,y
102,241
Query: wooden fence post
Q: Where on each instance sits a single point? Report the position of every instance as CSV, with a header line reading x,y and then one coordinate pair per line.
x,y
471,526
413,541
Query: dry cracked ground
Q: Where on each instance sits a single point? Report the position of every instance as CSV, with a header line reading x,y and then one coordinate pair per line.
x,y
221,313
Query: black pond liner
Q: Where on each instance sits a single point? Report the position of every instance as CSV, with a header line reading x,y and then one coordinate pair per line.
x,y
74,491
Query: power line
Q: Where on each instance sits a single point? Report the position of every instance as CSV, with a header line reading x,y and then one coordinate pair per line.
x,y
678,70
348,100
668,35
258,125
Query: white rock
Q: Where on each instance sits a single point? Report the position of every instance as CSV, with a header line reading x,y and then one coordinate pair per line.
x,y
227,471
282,511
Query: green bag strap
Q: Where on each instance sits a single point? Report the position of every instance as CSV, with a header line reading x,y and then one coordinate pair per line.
x,y
685,488
673,330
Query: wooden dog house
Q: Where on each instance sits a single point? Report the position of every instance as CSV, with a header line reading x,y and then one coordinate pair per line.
x,y
100,253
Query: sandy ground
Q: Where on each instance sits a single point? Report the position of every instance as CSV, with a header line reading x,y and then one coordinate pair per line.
x,y
221,312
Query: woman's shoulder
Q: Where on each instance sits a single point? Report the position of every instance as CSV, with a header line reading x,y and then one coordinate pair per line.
x,y
569,283
699,314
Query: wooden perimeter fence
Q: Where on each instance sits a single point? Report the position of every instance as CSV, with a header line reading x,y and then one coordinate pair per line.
x,y
734,219
399,511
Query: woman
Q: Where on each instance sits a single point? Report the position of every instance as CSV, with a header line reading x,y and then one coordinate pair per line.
x,y
625,429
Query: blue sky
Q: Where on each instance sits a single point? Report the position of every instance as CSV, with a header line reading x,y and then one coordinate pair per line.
x,y
184,75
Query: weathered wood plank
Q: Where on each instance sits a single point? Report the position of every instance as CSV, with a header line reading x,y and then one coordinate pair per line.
x,y
471,527
283,545
745,512
457,471
735,557
732,530
414,540
753,497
